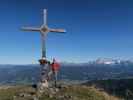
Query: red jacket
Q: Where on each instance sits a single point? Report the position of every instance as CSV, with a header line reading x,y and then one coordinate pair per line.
x,y
55,66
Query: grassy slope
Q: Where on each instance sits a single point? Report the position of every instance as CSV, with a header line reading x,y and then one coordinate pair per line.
x,y
69,92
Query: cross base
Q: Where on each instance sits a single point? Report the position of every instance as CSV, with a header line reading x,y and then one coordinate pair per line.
x,y
44,71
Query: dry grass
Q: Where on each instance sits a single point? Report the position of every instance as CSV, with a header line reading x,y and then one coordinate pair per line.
x,y
74,92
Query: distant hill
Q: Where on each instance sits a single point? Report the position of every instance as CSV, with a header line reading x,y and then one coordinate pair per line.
x,y
120,87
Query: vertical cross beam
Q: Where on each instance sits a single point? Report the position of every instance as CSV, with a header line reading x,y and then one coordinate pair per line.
x,y
43,46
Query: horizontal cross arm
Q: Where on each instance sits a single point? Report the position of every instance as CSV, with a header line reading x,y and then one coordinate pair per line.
x,y
30,29
57,30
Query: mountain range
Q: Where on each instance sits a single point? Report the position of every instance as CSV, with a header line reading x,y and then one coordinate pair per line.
x,y
12,74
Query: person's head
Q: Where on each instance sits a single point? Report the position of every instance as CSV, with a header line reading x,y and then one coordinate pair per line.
x,y
54,60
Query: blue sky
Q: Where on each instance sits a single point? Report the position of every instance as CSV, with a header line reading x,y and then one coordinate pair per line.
x,y
95,28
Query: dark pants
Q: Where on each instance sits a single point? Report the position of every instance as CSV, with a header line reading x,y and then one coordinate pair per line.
x,y
54,74
55,77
